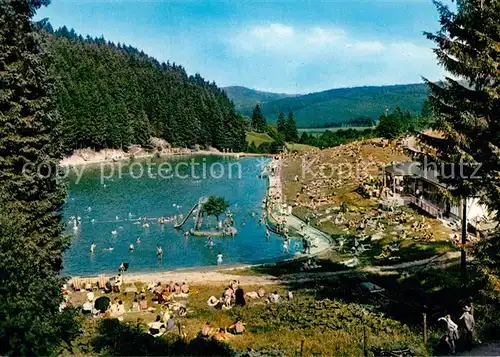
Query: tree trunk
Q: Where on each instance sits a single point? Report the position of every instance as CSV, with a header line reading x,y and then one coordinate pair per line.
x,y
463,258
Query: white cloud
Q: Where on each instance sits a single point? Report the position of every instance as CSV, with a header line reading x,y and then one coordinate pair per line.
x,y
276,31
319,57
365,46
319,36
310,42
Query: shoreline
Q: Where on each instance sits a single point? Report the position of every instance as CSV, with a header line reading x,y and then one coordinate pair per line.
x,y
213,274
109,156
275,204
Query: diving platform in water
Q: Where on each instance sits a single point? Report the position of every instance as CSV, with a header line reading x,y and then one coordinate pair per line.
x,y
225,232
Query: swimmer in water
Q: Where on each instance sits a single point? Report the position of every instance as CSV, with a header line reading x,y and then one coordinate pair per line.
x,y
186,233
89,209
109,249
210,241
114,233
285,246
267,234
146,225
159,251
131,247
92,247
138,240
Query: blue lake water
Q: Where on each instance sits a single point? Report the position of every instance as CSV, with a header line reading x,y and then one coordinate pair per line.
x,y
119,198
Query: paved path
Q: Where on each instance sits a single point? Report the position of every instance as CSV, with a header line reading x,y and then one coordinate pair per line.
x,y
488,349
320,240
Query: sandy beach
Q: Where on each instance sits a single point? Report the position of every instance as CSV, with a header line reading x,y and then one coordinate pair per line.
x,y
207,275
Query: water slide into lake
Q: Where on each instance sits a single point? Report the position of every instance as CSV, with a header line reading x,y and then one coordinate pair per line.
x,y
197,206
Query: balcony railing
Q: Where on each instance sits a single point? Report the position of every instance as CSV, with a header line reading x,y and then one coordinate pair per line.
x,y
427,206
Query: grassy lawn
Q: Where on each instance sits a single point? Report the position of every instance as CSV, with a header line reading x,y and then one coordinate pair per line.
x,y
299,147
327,326
258,138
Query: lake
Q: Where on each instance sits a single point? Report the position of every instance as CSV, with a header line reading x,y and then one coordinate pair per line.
x,y
112,197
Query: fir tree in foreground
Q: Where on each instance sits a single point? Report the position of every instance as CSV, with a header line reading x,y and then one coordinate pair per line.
x,y
31,241
469,110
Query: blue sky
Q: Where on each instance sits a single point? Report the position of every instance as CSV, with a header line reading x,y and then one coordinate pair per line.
x,y
283,46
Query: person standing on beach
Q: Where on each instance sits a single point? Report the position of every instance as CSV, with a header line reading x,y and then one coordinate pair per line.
x,y
219,258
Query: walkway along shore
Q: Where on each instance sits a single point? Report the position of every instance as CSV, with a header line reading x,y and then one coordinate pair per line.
x,y
277,211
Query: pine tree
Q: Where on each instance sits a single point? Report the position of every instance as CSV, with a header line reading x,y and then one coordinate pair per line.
x,y
291,129
258,121
281,124
468,111
31,241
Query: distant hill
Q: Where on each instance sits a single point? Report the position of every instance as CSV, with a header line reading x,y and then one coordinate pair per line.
x,y
245,98
336,105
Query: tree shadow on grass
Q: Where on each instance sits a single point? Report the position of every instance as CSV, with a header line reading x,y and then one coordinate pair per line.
x,y
407,296
115,338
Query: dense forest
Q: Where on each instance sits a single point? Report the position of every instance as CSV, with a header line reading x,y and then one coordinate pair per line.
x,y
113,95
342,105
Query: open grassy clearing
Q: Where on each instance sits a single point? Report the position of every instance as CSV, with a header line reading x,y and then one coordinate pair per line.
x,y
258,138
299,147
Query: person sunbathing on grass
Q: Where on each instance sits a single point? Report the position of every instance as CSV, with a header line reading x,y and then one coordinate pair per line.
x,y
185,288
221,335
237,328
212,301
157,328
206,330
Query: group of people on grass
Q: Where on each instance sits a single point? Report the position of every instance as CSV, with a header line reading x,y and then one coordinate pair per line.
x,y
222,334
233,295
165,321
167,292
